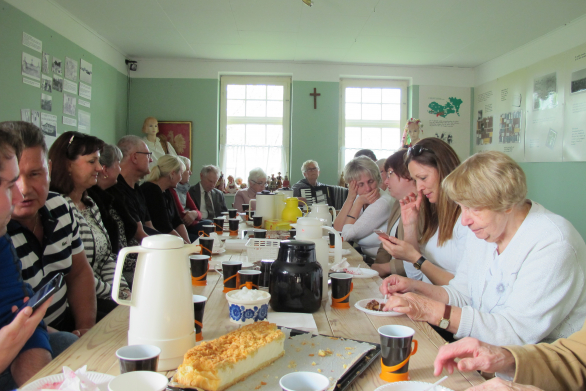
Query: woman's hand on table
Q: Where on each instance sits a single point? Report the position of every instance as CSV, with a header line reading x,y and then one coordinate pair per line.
x,y
416,307
498,384
410,206
369,198
396,283
400,249
475,356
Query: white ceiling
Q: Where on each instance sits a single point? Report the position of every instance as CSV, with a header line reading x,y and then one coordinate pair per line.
x,y
462,33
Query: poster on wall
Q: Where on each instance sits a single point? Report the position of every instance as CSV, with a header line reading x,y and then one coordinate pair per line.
x,y
47,83
46,65
70,69
69,104
57,67
545,92
32,42
484,126
85,72
46,102
36,118
25,115
49,124
83,121
57,83
69,86
445,113
574,142
85,91
178,133
31,66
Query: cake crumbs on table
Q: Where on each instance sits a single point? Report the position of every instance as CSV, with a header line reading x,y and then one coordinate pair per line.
x,y
349,353
319,370
311,355
313,363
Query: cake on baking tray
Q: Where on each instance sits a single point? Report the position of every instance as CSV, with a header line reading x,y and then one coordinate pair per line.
x,y
218,364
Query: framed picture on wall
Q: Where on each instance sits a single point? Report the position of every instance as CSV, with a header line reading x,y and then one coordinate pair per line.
x,y
178,133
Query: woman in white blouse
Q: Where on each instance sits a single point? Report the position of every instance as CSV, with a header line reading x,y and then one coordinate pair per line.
x,y
366,208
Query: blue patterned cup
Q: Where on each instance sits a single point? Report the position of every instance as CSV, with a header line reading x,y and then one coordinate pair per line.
x,y
246,310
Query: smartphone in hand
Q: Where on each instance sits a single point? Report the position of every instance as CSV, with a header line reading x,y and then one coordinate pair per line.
x,y
43,294
382,235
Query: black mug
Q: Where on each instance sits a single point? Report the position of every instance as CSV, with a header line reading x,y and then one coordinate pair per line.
x,y
207,230
292,233
207,246
229,274
138,358
233,224
332,240
199,305
260,233
232,213
199,269
257,221
395,342
248,278
219,225
245,207
265,270
341,288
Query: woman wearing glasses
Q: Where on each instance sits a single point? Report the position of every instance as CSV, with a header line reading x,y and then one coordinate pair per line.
x,y
366,208
75,168
432,252
257,180
522,275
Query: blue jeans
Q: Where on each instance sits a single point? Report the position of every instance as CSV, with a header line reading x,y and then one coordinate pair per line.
x,y
59,342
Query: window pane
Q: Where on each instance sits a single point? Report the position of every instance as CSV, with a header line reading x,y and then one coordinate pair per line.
x,y
274,108
255,135
353,111
371,138
391,95
349,155
235,134
371,111
353,138
275,92
256,108
353,95
391,138
235,91
256,92
235,108
275,135
371,95
391,112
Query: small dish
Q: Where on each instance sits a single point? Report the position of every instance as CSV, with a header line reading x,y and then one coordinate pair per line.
x,y
248,311
363,272
99,379
361,305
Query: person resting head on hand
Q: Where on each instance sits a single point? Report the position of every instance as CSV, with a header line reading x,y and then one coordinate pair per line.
x,y
522,271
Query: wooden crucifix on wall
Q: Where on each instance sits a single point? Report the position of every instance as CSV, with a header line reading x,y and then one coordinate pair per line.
x,y
315,95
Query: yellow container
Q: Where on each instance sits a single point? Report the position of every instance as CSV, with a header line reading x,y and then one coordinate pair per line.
x,y
291,212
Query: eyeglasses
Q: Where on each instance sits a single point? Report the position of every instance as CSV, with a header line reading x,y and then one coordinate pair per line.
x,y
149,154
417,150
311,169
258,183
390,173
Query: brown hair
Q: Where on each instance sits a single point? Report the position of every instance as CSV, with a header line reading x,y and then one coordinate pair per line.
x,y
67,148
10,140
396,162
488,180
443,215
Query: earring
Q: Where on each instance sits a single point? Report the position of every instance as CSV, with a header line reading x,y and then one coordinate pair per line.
x,y
105,176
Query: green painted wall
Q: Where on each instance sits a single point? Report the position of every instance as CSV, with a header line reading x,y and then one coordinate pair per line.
x,y
314,132
108,103
194,100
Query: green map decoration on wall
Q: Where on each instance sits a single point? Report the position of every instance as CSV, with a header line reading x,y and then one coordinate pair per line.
x,y
452,106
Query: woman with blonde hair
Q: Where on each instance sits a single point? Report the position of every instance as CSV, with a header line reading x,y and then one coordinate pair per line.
x,y
164,175
432,252
522,273
366,208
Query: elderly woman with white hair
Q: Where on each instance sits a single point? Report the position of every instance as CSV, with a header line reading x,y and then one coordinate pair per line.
x,y
257,180
522,274
367,207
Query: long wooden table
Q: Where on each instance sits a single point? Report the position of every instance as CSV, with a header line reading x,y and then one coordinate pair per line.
x,y
97,348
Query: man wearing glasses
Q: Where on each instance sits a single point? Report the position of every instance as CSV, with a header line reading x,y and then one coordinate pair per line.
x,y
306,186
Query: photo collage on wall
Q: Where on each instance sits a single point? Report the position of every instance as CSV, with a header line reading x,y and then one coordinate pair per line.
x,y
56,74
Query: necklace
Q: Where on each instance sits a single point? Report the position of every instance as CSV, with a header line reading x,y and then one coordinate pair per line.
x,y
36,223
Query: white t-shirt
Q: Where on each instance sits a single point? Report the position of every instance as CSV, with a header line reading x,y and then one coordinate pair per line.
x,y
447,256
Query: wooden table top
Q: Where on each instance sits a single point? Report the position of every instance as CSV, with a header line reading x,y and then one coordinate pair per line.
x,y
97,348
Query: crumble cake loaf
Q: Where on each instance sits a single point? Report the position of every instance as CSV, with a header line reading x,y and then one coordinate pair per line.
x,y
223,362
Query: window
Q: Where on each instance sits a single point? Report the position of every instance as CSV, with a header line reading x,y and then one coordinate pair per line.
x,y
254,124
373,114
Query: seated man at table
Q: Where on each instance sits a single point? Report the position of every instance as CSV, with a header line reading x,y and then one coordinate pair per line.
x,y
45,235
134,165
302,189
36,352
209,200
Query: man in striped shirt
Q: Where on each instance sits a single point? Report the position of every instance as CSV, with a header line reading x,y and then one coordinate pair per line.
x,y
45,235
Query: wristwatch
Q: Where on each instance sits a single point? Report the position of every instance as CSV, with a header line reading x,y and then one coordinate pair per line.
x,y
445,321
417,265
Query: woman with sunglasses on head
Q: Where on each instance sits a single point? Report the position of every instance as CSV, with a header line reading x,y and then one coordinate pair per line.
x,y
432,252
366,208
257,180
75,168
522,274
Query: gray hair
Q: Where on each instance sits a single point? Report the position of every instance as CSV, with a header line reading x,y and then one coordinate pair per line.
x,y
255,174
109,155
185,161
205,170
381,163
307,163
129,144
361,165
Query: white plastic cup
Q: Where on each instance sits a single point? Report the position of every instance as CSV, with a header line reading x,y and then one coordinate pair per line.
x,y
139,381
304,381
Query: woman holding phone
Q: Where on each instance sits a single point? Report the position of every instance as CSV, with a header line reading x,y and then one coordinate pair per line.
x,y
432,251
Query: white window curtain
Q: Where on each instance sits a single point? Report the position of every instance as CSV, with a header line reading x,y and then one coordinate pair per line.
x,y
254,125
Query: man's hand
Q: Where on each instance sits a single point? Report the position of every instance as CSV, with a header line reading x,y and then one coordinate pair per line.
x,y
475,356
396,283
498,384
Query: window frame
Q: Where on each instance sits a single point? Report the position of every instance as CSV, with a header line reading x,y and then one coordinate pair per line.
x,y
284,81
403,85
